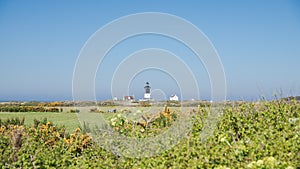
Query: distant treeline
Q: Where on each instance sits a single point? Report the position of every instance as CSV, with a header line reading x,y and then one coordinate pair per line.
x,y
106,103
39,104
15,108
56,106
292,98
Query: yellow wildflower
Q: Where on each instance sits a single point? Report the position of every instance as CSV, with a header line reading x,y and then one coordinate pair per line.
x,y
57,135
2,129
77,130
48,123
52,128
66,141
71,140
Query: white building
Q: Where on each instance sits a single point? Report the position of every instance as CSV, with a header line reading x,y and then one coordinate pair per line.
x,y
147,94
174,97
128,98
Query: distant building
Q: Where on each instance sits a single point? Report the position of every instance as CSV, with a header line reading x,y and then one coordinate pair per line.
x,y
174,97
147,94
128,98
115,99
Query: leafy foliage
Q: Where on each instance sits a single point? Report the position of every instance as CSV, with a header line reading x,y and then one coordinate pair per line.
x,y
248,135
13,121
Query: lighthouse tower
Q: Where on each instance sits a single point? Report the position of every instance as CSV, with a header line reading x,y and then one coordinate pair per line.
x,y
147,91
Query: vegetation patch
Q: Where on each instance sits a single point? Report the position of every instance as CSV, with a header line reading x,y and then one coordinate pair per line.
x,y
248,135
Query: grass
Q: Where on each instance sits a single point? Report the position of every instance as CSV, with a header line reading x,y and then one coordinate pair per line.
x,y
69,120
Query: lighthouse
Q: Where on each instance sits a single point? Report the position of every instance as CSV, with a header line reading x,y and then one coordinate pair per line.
x,y
147,91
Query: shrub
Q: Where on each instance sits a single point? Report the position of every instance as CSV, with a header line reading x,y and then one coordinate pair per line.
x,y
12,121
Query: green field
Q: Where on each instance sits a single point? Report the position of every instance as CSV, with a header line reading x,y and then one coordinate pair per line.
x,y
69,120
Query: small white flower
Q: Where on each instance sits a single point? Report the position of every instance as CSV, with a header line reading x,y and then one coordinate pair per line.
x,y
260,162
223,139
270,161
289,167
252,164
113,119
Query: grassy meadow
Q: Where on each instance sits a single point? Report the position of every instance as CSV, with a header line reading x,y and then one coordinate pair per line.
x,y
70,120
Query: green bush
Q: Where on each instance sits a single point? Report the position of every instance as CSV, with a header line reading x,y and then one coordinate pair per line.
x,y
248,135
12,121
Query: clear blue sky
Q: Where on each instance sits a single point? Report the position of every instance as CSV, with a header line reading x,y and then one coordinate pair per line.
x,y
258,43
